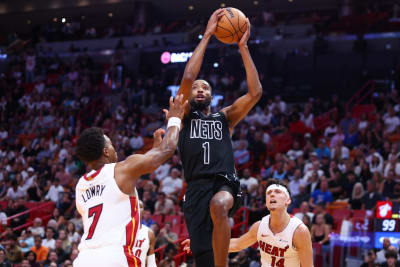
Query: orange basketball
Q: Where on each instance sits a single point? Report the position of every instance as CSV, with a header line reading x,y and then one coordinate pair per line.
x,y
231,26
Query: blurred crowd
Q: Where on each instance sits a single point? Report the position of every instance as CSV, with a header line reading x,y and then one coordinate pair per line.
x,y
324,152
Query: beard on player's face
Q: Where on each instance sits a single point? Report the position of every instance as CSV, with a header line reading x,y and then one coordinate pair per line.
x,y
200,105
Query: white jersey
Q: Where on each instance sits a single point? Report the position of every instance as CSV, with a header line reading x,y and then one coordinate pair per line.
x,y
142,244
278,250
110,217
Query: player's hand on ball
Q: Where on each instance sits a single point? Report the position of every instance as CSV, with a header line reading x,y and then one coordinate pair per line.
x,y
176,107
213,21
186,246
246,35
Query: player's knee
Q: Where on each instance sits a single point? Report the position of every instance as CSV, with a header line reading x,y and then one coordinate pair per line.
x,y
219,208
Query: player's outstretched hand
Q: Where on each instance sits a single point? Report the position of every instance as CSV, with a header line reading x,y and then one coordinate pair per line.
x,y
157,137
176,107
213,21
246,35
186,246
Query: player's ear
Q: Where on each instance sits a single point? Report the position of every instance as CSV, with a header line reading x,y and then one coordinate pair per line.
x,y
288,201
106,153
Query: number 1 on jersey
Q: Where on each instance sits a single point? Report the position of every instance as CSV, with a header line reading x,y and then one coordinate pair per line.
x,y
96,211
206,147
279,263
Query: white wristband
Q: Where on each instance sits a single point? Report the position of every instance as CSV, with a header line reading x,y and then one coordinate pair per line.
x,y
151,260
174,121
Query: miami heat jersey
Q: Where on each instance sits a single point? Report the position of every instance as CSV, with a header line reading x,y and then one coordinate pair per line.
x,y
277,250
110,217
142,244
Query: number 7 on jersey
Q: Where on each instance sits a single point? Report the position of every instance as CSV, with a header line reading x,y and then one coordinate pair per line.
x,y
96,211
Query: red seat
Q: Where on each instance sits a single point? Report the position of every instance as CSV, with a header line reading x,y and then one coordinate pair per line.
x,y
158,219
359,214
184,231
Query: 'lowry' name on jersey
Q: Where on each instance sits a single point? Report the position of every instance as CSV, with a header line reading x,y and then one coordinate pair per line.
x,y
93,191
205,129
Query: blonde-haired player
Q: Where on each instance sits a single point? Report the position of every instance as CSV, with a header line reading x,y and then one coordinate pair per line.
x,y
283,240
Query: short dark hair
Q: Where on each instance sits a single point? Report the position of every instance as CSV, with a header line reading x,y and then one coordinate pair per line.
x,y
391,254
278,182
90,144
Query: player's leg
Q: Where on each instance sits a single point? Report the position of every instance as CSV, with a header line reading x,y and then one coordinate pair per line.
x,y
220,205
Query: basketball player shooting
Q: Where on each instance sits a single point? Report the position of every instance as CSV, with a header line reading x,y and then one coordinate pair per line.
x,y
206,152
283,240
106,197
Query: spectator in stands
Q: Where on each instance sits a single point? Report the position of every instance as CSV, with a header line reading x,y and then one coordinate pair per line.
x,y
62,234
330,130
136,142
380,255
338,137
279,172
49,241
371,197
391,121
18,207
320,231
4,262
54,191
62,255
146,218
250,182
13,251
62,176
31,257
162,171
266,169
322,150
320,209
26,241
168,260
15,191
52,259
37,228
346,122
73,236
40,251
241,155
369,259
304,211
356,196
296,151
164,205
386,188
391,259
351,137
172,184
307,221
321,195
166,236
295,184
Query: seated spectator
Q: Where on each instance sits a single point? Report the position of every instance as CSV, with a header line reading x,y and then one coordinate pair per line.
x,y
49,241
391,259
320,231
347,121
13,251
168,261
172,184
304,211
164,205
40,251
165,236
26,241
146,218
250,182
61,253
331,130
279,172
371,197
320,209
73,236
356,196
295,152
321,195
15,191
241,155
136,142
52,259
37,228
322,150
31,257
369,259
54,191
380,255
351,138
3,260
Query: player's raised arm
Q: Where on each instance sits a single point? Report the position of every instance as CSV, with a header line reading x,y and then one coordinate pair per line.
x,y
246,240
239,109
196,60
302,241
136,165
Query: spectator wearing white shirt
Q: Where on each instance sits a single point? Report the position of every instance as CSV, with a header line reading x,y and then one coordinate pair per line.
x,y
307,117
250,182
316,169
172,184
162,171
37,228
391,121
294,185
49,241
278,103
241,155
295,152
304,210
15,191
54,191
393,164
340,152
363,123
136,142
331,130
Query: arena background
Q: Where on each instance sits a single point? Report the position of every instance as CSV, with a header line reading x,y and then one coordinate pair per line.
x,y
328,121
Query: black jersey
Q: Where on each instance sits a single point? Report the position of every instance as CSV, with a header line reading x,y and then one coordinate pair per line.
x,y
205,145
